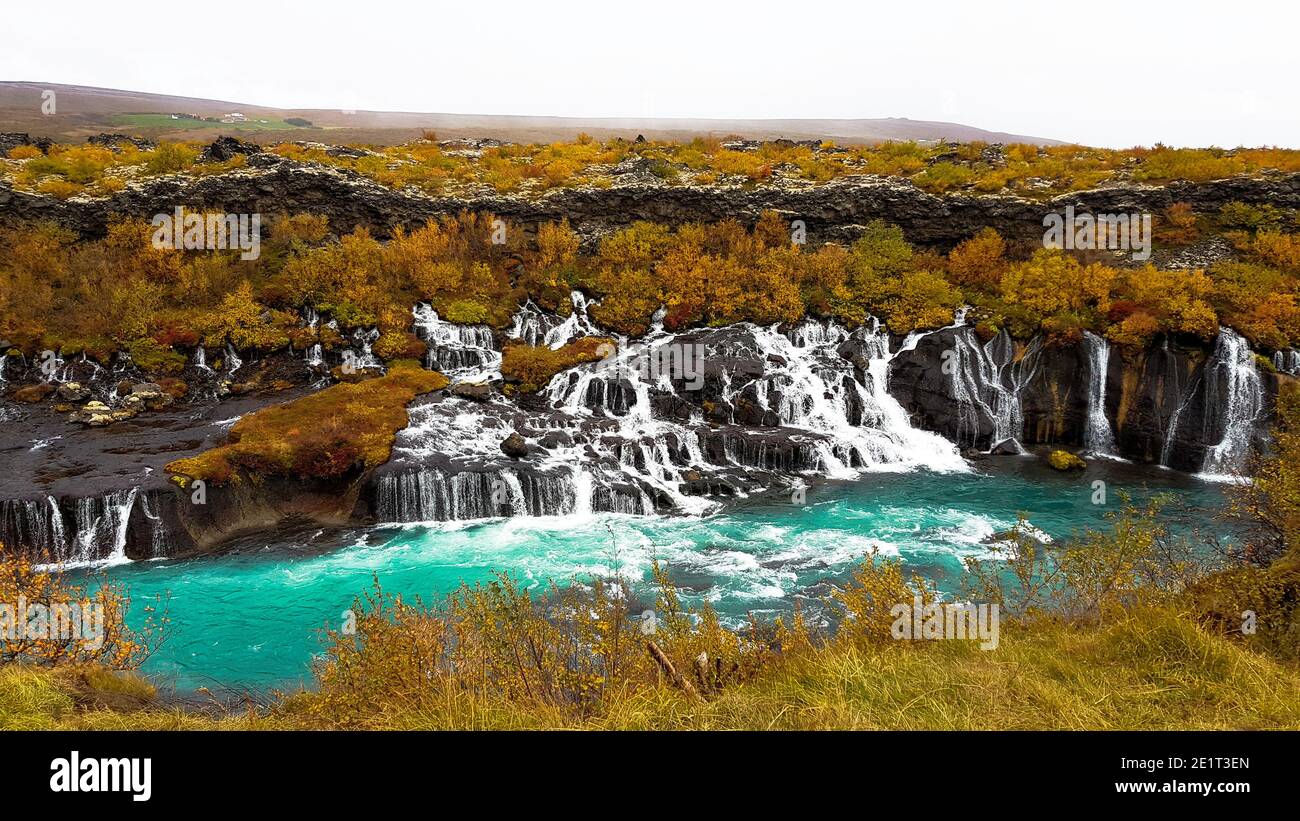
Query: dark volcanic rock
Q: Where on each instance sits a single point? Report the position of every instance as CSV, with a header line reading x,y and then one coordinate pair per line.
x,y
223,149
514,446
12,139
834,210
114,140
475,391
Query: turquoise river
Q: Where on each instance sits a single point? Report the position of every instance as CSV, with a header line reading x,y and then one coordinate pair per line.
x,y
252,617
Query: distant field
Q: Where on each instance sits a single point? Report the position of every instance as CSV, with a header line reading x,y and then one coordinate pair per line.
x,y
170,122
84,111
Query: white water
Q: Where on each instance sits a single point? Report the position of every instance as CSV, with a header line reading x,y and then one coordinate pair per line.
x,y
606,446
986,381
1287,361
4,409
97,521
462,352
315,356
816,396
1098,438
536,328
233,362
1232,383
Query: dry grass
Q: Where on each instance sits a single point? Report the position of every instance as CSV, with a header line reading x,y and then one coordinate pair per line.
x,y
1152,670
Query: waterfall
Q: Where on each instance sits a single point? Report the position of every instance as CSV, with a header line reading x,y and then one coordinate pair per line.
x,y
315,356
5,411
160,539
433,495
363,340
530,324
986,382
1286,361
98,526
1098,438
666,422
233,362
101,528
1167,448
1232,387
618,387
534,327
465,352
818,394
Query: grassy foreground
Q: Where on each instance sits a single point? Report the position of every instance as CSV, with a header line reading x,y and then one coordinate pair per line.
x,y
1153,670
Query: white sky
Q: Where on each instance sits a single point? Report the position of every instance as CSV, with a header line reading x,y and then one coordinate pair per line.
x,y
1102,72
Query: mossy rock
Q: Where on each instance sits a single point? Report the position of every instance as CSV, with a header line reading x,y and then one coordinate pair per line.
x,y
327,435
1064,460
32,394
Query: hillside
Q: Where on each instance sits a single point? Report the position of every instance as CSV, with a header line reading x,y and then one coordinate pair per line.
x,y
85,110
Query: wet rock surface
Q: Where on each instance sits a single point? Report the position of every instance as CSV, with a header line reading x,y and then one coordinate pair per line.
x,y
669,424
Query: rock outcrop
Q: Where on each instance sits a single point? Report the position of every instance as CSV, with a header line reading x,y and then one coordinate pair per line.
x,y
832,211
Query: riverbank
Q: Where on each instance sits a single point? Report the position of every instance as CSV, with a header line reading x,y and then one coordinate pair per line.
x,y
1153,670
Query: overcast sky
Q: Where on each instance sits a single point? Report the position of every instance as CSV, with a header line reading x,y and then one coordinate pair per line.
x,y
1102,72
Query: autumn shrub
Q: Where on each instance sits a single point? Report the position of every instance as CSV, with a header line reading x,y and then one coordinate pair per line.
x,y
48,619
25,152
529,368
1245,216
170,157
943,177
868,600
978,262
1163,164
1178,225
1276,248
1261,302
1095,576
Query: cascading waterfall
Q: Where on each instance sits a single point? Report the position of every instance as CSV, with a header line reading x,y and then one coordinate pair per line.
x,y
1098,438
233,362
1287,361
987,380
626,434
5,411
818,394
314,356
531,325
98,531
1234,387
464,352
610,383
537,328
160,540
364,357
1167,449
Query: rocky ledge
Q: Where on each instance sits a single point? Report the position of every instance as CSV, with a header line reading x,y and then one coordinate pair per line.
x,y
834,211
671,423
